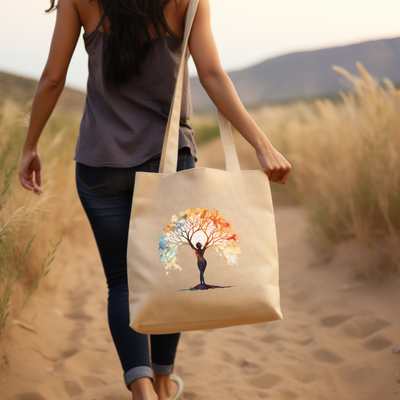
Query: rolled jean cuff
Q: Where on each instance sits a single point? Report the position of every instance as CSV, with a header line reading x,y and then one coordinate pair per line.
x,y
162,369
136,373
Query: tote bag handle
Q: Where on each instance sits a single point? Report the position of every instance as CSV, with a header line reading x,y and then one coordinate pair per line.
x,y
169,155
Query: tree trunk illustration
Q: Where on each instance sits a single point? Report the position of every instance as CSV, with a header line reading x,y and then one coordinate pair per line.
x,y
202,265
201,262
201,229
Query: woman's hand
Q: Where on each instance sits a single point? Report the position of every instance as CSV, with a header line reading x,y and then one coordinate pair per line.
x,y
29,171
274,165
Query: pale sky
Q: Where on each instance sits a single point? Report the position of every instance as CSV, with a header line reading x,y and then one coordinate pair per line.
x,y
246,32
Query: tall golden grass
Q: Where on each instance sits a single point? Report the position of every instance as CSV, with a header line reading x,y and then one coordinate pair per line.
x,y
345,157
31,226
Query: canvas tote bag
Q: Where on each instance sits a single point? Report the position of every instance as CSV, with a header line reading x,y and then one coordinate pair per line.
x,y
202,250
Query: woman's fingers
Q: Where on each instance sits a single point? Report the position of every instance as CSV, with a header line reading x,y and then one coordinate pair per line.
x,y
277,175
28,182
29,172
277,169
284,178
38,178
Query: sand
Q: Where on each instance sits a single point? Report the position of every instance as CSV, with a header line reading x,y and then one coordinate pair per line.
x,y
335,342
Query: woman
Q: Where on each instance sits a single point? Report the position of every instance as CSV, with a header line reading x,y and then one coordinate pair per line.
x,y
134,49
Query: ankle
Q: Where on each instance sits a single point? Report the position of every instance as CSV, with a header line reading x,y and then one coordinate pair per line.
x,y
142,389
163,387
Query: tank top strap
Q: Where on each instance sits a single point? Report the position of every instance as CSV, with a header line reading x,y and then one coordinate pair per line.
x,y
102,20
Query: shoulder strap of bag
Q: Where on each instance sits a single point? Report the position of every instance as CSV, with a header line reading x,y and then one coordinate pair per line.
x,y
169,156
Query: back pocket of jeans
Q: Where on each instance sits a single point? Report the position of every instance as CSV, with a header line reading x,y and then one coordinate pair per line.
x,y
93,177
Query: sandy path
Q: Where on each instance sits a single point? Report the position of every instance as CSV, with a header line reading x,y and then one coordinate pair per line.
x,y
335,342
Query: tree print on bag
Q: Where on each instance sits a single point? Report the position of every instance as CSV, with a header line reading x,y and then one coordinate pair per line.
x,y
200,229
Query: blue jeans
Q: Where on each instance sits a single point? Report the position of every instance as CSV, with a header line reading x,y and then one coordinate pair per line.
x,y
106,195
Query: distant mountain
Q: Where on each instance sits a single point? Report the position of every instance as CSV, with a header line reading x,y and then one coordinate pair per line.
x,y
20,90
300,75
308,74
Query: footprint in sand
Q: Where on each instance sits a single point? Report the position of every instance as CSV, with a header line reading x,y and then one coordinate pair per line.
x,y
251,368
377,343
362,326
250,344
31,396
304,374
195,341
263,395
91,381
326,356
271,338
69,351
229,358
42,391
288,395
334,320
82,361
73,387
265,381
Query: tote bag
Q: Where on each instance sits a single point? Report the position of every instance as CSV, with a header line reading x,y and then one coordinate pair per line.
x,y
202,250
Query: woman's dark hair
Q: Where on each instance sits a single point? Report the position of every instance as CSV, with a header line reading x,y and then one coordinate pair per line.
x,y
129,41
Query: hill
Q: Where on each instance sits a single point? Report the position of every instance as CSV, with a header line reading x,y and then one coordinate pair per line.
x,y
21,90
307,74
286,78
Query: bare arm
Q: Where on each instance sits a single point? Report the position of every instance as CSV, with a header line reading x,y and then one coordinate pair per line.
x,y
51,84
222,92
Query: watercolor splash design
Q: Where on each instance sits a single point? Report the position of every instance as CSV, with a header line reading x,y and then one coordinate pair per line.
x,y
201,229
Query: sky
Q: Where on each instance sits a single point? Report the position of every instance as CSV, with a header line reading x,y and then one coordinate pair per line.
x,y
246,31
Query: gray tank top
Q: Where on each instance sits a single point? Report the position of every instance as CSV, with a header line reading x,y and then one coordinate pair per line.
x,y
124,126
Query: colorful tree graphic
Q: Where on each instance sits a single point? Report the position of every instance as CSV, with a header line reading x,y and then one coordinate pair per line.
x,y
200,229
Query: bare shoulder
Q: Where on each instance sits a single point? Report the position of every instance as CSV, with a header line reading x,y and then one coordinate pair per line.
x,y
85,7
67,6
62,4
182,5
202,8
81,5
89,13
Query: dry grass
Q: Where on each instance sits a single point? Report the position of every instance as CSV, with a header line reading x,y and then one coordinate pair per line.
x,y
31,226
345,159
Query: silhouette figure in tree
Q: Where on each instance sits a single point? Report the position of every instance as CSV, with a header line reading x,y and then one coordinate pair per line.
x,y
212,228
201,262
